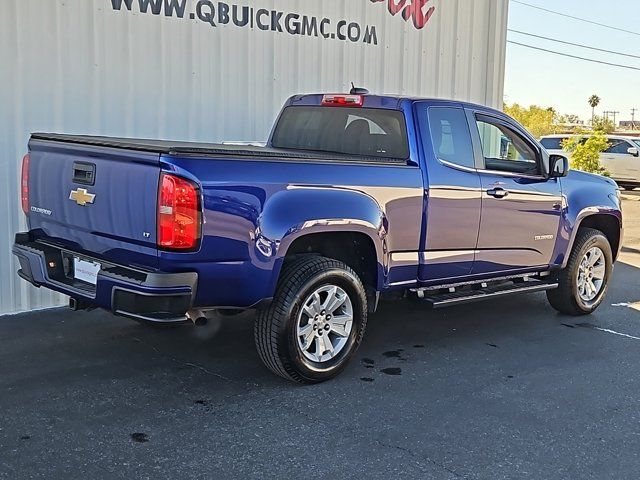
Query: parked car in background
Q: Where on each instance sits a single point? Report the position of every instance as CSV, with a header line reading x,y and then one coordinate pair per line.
x,y
621,159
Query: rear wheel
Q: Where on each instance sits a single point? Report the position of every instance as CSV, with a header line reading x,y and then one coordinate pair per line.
x,y
316,320
583,283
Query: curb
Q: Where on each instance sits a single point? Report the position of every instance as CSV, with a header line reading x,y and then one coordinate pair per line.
x,y
631,198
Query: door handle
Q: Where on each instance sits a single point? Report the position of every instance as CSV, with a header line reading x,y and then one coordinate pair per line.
x,y
498,192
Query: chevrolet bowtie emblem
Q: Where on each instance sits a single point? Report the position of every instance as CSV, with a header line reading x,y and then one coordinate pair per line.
x,y
81,196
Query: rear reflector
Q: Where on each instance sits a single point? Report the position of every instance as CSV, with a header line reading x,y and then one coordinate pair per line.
x,y
343,100
24,184
179,216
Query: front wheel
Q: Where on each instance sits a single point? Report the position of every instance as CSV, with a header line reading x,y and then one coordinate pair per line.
x,y
316,320
583,283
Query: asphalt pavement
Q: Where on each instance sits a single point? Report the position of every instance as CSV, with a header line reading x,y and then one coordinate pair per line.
x,y
501,389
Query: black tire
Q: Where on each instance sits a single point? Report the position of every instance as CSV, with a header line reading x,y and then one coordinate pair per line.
x,y
566,298
276,325
628,187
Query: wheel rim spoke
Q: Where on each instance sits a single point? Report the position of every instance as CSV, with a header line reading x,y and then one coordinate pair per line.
x,y
598,272
312,306
594,257
323,344
306,330
334,300
339,324
328,345
308,335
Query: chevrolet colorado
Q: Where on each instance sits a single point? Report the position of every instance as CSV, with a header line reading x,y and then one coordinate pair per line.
x,y
354,195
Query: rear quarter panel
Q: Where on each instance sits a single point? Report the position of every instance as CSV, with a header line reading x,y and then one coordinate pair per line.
x,y
254,210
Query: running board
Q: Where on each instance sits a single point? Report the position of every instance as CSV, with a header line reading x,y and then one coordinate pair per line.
x,y
486,293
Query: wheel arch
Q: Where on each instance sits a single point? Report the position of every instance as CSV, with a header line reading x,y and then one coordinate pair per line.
x,y
607,222
356,249
338,223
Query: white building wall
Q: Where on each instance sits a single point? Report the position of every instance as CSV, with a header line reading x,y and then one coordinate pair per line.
x,y
80,66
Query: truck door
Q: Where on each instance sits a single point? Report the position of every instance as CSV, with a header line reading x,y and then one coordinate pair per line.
x,y
621,164
452,193
521,209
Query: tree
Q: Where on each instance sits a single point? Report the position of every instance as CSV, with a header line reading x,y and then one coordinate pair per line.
x,y
585,154
572,118
594,101
539,121
603,124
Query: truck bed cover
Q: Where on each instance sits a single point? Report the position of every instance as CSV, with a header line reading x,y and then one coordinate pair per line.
x,y
174,147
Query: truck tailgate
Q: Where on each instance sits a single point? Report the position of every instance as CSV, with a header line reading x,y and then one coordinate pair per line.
x,y
95,199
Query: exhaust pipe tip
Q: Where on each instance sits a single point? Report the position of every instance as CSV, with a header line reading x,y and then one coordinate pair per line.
x,y
200,321
198,317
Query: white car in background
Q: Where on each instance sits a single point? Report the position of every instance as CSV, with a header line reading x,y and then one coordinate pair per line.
x,y
621,159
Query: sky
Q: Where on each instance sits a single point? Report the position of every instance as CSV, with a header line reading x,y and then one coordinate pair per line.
x,y
540,78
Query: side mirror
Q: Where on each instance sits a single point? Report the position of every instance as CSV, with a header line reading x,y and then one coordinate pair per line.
x,y
558,166
633,151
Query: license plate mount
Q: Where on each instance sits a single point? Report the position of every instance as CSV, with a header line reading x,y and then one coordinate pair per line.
x,y
86,271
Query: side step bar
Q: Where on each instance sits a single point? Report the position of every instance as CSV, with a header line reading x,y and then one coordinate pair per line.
x,y
486,293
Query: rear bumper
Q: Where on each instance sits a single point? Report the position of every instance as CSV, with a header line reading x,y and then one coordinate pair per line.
x,y
151,296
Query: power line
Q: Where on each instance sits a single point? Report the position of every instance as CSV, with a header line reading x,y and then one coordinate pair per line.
x,y
629,67
576,18
574,44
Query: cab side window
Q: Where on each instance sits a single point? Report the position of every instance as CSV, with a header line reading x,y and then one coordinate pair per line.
x,y
450,136
505,150
618,146
553,143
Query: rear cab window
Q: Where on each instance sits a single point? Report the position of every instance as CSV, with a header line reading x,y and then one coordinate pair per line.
x,y
450,136
358,131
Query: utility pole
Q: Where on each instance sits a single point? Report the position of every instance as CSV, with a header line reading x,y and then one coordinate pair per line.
x,y
614,119
633,118
613,114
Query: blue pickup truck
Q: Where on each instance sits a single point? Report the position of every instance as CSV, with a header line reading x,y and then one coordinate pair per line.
x,y
354,196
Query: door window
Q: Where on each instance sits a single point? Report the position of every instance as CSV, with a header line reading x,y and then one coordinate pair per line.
x,y
504,150
618,146
553,143
450,136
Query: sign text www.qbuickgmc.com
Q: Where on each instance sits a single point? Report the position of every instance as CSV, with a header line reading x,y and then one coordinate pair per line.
x,y
244,16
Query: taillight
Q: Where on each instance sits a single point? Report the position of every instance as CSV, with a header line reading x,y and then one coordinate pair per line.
x,y
179,216
24,184
343,100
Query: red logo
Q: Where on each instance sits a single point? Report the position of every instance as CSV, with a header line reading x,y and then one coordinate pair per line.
x,y
410,9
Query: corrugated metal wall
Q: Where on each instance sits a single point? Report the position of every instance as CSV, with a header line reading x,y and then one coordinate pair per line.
x,y
80,66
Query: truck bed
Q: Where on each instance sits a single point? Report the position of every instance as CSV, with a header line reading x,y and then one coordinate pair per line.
x,y
181,148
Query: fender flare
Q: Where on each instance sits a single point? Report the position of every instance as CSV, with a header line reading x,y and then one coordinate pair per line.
x,y
580,218
295,213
